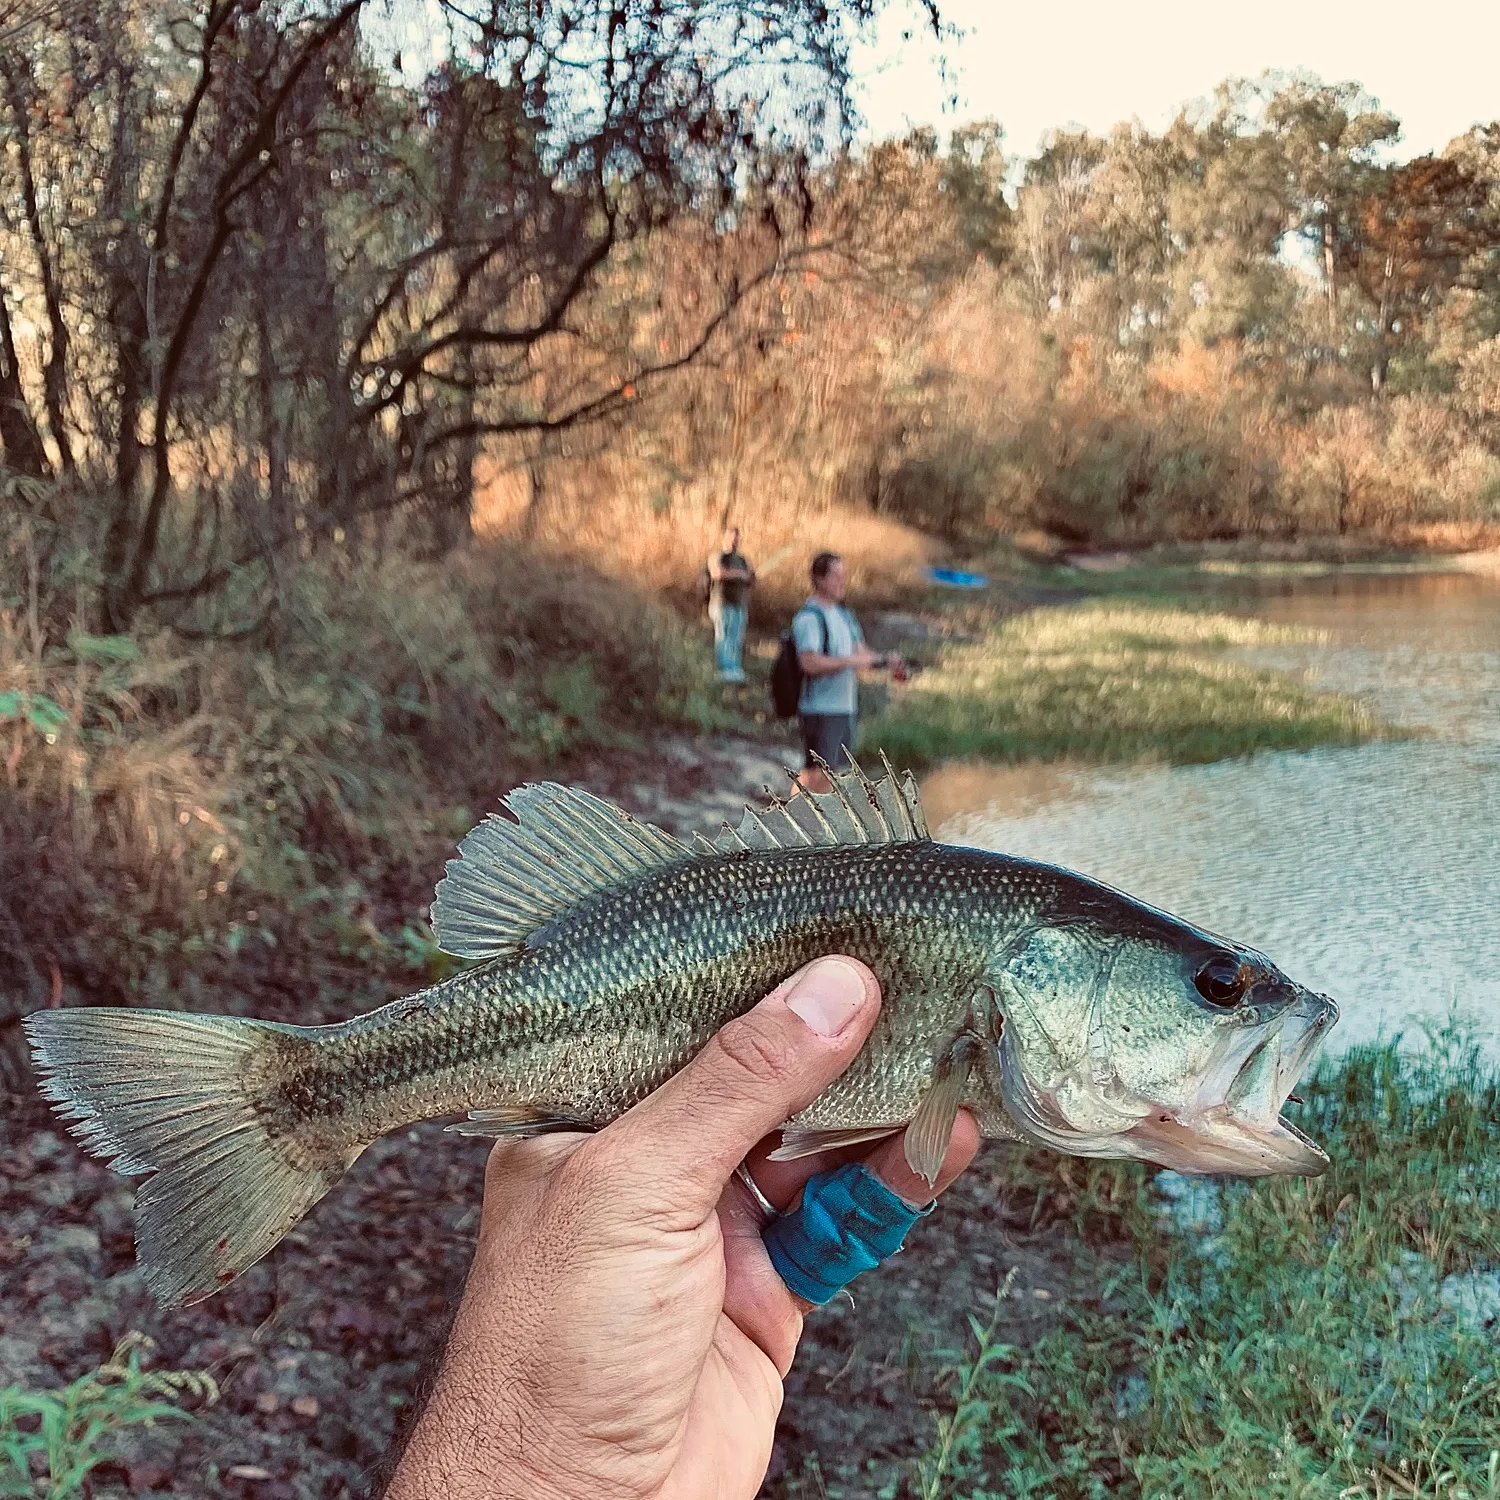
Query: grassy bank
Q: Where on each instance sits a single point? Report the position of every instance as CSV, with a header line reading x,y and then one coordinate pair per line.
x,y
1331,1339
1111,680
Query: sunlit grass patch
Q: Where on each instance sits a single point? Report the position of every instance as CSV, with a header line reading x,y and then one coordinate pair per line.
x,y
1110,680
1332,1339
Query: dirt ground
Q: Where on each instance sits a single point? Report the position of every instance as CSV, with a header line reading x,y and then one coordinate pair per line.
x,y
321,1349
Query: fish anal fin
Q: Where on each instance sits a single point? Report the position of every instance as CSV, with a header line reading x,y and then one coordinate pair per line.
x,y
797,1142
513,1123
931,1128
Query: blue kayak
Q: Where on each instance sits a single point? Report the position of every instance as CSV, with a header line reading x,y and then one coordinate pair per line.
x,y
952,579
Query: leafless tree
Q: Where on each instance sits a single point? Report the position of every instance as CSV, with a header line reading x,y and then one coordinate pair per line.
x,y
271,288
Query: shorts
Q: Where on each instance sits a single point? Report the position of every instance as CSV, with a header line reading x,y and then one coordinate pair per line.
x,y
829,735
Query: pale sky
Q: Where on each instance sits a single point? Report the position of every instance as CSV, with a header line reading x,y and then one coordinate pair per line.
x,y
1034,65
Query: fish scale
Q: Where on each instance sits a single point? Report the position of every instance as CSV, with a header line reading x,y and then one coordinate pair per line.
x,y
607,954
669,959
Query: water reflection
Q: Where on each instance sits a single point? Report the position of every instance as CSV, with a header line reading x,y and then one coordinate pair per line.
x,y
1371,873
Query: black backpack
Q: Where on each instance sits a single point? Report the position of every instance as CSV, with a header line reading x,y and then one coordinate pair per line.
x,y
786,675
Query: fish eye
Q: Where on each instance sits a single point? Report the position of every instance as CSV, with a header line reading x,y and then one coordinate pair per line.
x,y
1223,981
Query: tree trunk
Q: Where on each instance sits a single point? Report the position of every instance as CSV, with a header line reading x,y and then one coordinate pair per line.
x,y
536,505
339,437
55,371
1330,276
273,439
127,328
120,538
1382,329
458,525
21,446
455,518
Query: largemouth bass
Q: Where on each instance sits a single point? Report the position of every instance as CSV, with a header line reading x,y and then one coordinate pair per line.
x,y
1059,1011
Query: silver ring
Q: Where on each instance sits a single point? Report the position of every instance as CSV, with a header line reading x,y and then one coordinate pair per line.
x,y
768,1208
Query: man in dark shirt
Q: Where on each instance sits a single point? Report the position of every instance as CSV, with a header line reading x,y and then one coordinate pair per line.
x,y
730,580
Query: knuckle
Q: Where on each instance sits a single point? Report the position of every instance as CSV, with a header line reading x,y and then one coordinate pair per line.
x,y
762,1053
610,1168
586,1173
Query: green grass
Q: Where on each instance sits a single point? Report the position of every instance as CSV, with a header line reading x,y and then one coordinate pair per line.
x,y
1307,1349
52,1441
1112,680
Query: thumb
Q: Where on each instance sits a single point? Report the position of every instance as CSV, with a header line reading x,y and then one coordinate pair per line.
x,y
687,1138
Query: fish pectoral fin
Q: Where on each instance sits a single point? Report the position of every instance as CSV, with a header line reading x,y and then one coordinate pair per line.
x,y
927,1135
931,1128
512,1122
797,1142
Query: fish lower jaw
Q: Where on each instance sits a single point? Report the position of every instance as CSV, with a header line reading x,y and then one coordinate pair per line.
x,y
1225,1141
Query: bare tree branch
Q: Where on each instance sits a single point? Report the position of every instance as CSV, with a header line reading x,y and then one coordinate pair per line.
x,y
231,187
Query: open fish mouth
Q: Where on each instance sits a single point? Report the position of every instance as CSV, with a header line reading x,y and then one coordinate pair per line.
x,y
1241,1130
1219,1140
1233,1124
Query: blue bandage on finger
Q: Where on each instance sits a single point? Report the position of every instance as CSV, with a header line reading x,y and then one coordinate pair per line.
x,y
848,1223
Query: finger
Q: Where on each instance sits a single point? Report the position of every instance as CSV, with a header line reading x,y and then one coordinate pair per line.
x,y
759,1071
755,1297
782,1181
888,1162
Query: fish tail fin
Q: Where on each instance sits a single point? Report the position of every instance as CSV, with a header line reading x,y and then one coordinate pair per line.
x,y
183,1097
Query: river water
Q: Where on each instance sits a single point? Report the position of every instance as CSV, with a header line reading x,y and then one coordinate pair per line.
x,y
1372,873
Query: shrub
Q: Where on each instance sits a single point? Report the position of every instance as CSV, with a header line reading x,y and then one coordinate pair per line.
x,y
293,792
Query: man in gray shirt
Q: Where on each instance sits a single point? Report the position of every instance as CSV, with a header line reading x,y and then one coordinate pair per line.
x,y
831,651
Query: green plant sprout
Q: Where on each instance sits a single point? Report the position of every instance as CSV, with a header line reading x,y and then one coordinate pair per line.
x,y
67,1434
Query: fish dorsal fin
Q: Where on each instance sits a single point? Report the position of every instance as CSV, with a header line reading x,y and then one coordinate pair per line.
x,y
511,878
856,811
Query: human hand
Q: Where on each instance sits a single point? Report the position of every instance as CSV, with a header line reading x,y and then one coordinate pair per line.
x,y
623,1335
